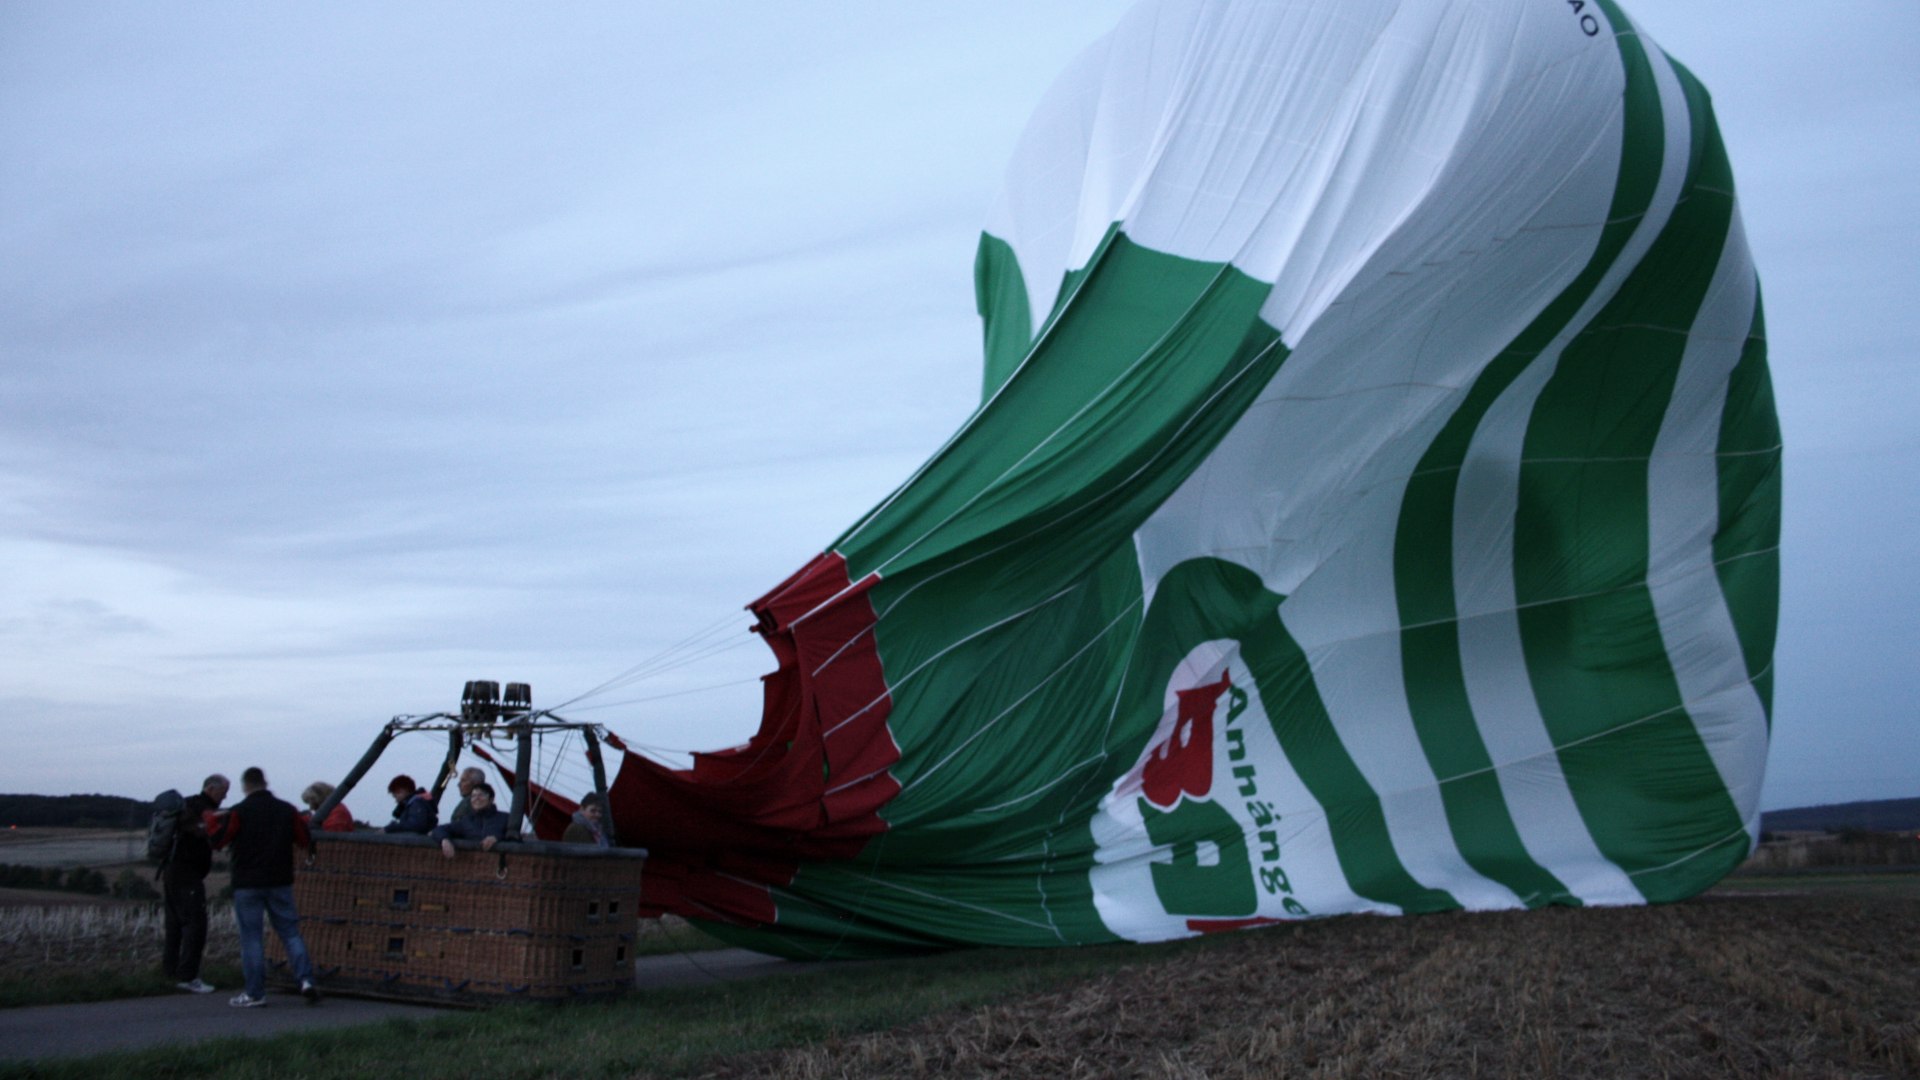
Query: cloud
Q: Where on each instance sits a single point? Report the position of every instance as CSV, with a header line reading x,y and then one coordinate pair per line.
x,y
74,622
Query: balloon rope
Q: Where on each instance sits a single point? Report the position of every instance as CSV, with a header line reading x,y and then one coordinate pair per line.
x,y
697,646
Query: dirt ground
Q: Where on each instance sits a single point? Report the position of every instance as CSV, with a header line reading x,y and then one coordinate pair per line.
x,y
1754,986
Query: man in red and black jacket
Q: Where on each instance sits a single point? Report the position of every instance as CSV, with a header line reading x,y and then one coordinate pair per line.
x,y
263,831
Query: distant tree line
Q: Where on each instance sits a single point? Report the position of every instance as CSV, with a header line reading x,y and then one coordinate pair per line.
x,y
79,811
1872,816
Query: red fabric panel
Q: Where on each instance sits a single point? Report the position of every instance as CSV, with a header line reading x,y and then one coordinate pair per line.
x,y
670,886
809,784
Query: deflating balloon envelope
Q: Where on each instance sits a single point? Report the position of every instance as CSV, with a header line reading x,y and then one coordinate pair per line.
x,y
1372,505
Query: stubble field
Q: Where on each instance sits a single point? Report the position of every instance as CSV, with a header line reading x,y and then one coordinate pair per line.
x,y
1812,985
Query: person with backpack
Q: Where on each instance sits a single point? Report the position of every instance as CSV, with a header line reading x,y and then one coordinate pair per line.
x,y
263,831
184,863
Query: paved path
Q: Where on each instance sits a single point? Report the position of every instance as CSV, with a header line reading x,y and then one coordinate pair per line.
x,y
720,965
54,1031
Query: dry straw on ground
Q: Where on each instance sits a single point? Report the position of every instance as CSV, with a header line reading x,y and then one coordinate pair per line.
x,y
1760,986
102,938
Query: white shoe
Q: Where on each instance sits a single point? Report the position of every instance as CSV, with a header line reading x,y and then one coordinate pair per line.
x,y
242,1001
309,991
195,986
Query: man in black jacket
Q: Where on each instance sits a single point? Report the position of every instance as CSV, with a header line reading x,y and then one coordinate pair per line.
x,y
183,884
263,831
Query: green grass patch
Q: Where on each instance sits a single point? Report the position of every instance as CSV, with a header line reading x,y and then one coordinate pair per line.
x,y
70,987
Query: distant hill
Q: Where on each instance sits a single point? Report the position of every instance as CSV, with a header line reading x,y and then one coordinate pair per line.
x,y
1879,815
79,811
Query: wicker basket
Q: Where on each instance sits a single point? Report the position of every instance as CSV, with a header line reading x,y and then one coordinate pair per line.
x,y
391,916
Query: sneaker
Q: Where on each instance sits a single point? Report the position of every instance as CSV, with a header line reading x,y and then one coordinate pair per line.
x,y
195,986
243,1001
309,991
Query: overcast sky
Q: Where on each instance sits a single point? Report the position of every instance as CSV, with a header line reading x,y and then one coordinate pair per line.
x,y
355,351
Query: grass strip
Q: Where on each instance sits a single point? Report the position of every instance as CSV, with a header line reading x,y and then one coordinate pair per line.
x,y
669,1032
73,987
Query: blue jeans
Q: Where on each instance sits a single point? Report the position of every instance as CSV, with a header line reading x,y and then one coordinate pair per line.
x,y
277,904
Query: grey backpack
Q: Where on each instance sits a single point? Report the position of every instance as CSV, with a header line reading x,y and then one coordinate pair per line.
x,y
163,826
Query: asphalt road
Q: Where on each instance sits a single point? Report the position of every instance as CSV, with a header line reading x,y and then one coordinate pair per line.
x,y
58,1031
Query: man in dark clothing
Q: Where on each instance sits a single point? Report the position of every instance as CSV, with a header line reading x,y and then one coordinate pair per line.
x,y
183,887
262,831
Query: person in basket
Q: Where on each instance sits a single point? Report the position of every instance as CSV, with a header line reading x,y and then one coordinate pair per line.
x,y
589,822
483,822
469,776
413,812
339,819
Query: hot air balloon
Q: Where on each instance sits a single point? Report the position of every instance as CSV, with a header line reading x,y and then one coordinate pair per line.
x,y
1372,505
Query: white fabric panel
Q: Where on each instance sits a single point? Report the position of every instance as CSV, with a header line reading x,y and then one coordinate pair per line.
x,y
1694,621
1493,659
1360,105
1306,489
1374,377
1417,184
1491,653
1037,212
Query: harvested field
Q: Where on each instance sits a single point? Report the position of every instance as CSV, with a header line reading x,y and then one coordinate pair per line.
x,y
47,846
46,898
103,938
1813,985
